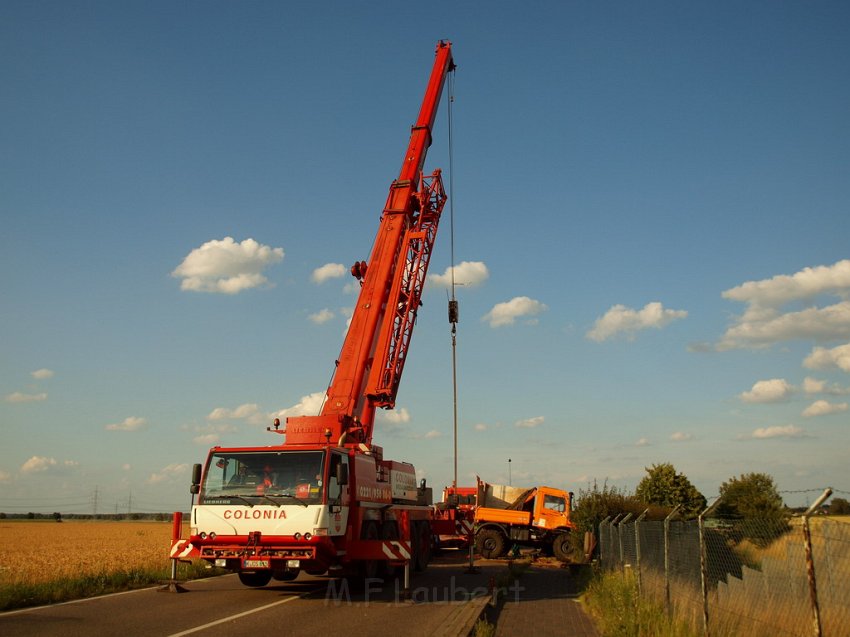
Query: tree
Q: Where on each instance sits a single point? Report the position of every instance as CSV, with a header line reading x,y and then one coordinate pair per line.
x,y
663,486
750,495
594,505
754,501
839,506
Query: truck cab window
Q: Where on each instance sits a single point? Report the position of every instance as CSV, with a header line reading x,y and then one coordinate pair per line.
x,y
554,503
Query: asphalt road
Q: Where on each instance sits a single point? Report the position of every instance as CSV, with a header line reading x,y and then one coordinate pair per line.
x,y
440,602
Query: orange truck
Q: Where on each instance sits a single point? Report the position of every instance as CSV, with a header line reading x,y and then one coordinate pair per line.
x,y
537,517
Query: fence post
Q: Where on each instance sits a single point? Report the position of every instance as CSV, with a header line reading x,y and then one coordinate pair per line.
x,y
614,550
810,562
620,538
703,565
667,604
602,540
637,548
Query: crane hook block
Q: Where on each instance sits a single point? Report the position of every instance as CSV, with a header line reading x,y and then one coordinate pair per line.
x,y
454,313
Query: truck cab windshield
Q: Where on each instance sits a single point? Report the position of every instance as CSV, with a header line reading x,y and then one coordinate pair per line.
x,y
242,475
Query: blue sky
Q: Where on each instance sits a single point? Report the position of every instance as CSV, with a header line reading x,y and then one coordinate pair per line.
x,y
650,224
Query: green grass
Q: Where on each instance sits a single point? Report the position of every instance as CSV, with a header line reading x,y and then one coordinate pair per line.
x,y
22,595
611,599
483,628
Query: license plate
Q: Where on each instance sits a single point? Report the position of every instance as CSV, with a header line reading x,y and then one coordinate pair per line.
x,y
255,564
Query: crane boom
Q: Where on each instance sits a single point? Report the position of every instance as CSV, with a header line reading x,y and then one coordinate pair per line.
x,y
374,351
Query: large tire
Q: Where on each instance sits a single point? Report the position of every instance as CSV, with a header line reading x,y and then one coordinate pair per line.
x,y
389,531
255,578
563,549
490,544
420,541
286,576
369,569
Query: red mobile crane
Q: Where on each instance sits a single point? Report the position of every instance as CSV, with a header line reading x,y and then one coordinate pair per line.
x,y
326,500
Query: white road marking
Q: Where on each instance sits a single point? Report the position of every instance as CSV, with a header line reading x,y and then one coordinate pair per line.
x,y
237,616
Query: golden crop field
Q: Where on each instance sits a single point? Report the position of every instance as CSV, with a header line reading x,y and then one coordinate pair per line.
x,y
32,552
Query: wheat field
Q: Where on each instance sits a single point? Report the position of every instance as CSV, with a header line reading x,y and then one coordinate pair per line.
x,y
34,552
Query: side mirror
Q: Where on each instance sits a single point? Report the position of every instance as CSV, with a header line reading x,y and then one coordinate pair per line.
x,y
196,479
195,489
342,474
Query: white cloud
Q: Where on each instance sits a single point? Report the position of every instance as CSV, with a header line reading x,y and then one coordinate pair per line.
x,y
480,427
467,273
42,374
309,405
824,408
530,423
5,477
768,391
433,434
322,316
805,284
815,386
20,397
642,442
206,440
763,322
169,474
823,358
627,320
508,312
788,431
393,416
226,267
681,436
42,464
249,412
128,424
218,423
37,464
327,272
762,327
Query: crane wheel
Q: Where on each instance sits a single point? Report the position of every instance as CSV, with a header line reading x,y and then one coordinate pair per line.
x,y
256,578
420,540
369,569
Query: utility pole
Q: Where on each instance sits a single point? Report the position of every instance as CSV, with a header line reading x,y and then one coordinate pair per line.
x,y
510,484
94,501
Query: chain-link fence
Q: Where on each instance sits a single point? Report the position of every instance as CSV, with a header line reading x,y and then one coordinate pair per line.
x,y
725,577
